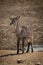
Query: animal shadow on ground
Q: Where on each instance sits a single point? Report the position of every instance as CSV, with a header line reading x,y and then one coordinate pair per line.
x,y
11,54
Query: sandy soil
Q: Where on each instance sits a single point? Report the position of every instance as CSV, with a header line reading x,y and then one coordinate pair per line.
x,y
10,58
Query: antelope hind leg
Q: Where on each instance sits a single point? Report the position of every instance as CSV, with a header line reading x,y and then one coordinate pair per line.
x,y
31,47
28,48
22,45
18,41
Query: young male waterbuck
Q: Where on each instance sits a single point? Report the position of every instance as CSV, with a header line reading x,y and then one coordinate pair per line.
x,y
22,33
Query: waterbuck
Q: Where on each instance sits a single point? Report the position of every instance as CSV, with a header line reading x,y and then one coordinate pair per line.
x,y
22,33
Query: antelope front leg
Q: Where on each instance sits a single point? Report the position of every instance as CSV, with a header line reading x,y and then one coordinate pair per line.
x,y
22,45
28,47
31,47
18,41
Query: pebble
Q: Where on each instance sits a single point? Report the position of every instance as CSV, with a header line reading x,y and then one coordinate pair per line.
x,y
19,61
38,63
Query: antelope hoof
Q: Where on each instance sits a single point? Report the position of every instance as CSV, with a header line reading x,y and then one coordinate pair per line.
x,y
27,50
22,52
17,53
32,51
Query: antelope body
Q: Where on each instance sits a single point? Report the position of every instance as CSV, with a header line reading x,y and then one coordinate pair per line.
x,y
22,33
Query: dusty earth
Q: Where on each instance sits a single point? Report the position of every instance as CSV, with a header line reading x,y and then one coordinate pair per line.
x,y
29,58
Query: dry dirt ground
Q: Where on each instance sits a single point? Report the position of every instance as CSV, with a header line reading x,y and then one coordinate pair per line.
x,y
11,58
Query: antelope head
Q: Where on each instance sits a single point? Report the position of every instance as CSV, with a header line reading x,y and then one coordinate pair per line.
x,y
14,20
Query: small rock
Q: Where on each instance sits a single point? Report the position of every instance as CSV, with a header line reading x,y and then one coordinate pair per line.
x,y
31,63
38,63
19,61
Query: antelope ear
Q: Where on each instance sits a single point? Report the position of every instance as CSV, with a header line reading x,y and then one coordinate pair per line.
x,y
12,17
18,17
